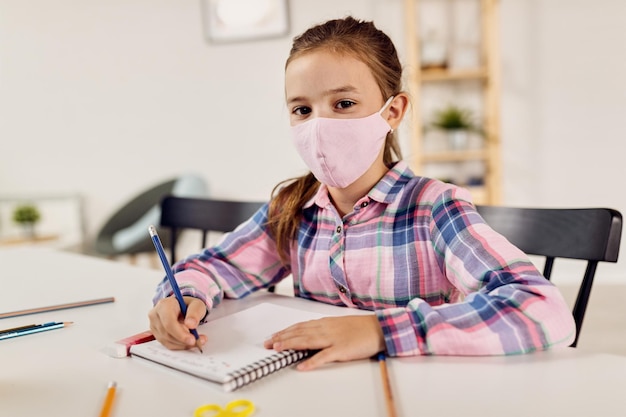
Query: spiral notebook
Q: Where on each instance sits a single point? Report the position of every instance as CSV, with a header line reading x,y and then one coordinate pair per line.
x,y
234,355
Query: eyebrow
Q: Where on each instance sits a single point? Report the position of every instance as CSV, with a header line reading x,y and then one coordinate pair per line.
x,y
342,89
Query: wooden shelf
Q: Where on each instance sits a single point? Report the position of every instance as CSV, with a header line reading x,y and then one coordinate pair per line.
x,y
484,101
456,156
479,194
20,240
434,75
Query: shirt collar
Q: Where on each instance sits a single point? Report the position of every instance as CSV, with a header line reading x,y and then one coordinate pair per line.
x,y
385,191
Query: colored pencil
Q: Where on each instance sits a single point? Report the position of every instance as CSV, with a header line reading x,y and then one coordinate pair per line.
x,y
31,328
108,400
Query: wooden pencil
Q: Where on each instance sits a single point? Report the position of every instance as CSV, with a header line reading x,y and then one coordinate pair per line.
x,y
108,400
391,407
56,307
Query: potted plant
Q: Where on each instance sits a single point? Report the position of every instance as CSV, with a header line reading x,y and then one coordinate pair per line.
x,y
457,122
26,215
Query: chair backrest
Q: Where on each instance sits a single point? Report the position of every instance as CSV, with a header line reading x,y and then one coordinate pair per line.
x,y
590,234
204,214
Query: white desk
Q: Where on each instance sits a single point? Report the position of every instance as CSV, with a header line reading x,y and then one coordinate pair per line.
x,y
64,373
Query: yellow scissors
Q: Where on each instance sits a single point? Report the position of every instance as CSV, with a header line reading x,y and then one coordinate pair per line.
x,y
236,408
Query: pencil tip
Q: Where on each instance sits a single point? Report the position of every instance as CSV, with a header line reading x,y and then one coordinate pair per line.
x,y
199,346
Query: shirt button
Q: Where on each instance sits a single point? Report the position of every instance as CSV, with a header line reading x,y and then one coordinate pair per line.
x,y
364,204
342,289
338,229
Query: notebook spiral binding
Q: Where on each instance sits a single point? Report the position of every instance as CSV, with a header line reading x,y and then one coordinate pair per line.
x,y
264,367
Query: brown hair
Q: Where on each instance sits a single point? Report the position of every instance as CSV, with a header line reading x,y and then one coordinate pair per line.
x,y
363,41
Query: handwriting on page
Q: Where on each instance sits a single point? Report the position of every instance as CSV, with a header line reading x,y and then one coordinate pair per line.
x,y
190,361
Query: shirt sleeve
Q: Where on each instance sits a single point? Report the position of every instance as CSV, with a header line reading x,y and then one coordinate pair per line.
x,y
245,260
508,306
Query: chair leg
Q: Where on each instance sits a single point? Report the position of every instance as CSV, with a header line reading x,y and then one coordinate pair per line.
x,y
580,306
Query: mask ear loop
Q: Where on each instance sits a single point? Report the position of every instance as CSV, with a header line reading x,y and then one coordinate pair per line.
x,y
386,104
389,100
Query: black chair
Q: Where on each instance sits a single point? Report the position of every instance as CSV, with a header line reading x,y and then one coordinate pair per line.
x,y
204,214
590,234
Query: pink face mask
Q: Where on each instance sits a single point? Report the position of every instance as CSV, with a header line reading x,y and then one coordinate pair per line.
x,y
340,151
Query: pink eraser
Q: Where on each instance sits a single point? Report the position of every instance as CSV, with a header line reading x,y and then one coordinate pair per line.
x,y
121,348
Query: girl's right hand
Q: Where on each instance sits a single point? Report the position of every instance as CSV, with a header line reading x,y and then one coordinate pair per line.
x,y
169,328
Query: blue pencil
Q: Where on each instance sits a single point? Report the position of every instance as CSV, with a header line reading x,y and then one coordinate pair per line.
x,y
32,328
170,276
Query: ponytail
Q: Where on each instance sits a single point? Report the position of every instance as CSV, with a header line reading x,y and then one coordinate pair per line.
x,y
285,210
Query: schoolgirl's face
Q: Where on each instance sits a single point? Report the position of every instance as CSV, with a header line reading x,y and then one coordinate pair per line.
x,y
326,84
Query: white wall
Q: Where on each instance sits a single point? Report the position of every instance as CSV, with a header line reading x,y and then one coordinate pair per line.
x,y
107,97
564,94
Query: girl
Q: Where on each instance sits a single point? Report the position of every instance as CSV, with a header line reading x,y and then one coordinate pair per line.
x,y
362,231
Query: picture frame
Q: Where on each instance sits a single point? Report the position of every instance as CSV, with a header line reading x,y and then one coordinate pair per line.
x,y
244,20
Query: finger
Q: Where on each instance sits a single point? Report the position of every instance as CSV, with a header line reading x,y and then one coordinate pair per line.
x,y
304,325
320,358
156,326
172,330
165,339
163,336
292,331
300,338
196,310
299,329
167,328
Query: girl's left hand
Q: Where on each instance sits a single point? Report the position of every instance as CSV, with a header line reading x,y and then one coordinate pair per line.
x,y
339,339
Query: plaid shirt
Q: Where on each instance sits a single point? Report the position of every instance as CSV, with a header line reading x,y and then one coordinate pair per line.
x,y
415,251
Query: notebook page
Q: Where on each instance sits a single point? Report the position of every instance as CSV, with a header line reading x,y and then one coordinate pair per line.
x,y
234,341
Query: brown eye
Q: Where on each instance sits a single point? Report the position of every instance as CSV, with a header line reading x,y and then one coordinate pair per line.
x,y
301,110
344,104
